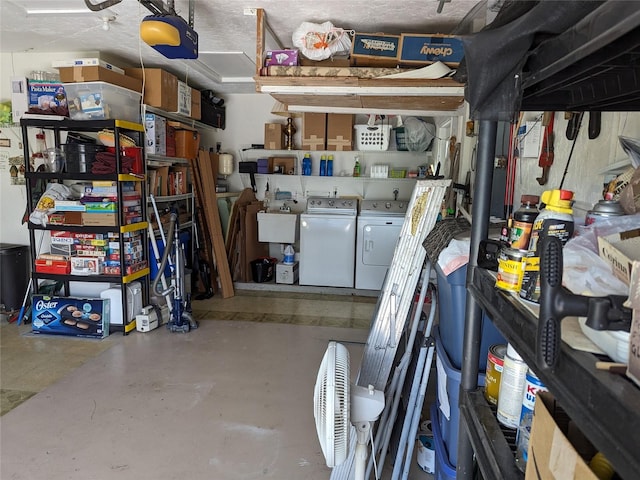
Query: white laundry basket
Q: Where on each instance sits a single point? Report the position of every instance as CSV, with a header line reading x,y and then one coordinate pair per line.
x,y
374,137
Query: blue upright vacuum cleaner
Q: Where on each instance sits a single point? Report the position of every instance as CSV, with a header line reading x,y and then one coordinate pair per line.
x,y
180,320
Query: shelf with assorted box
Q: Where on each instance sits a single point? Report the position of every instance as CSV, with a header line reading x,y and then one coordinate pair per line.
x,y
86,196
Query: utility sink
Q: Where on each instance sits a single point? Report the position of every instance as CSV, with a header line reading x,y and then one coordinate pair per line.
x,y
278,227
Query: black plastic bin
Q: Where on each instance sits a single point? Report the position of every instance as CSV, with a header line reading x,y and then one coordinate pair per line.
x,y
14,275
263,269
79,157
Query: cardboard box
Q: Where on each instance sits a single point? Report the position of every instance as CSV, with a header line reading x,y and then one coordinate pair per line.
x,y
155,128
339,132
274,136
375,49
281,57
552,455
86,265
48,98
287,274
184,100
620,250
196,104
314,131
283,165
159,181
187,143
425,49
99,219
86,62
99,74
160,87
79,317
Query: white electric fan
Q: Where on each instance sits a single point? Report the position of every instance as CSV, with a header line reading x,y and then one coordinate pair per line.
x,y
338,404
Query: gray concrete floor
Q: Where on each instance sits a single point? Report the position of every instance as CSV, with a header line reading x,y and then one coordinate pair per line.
x,y
230,400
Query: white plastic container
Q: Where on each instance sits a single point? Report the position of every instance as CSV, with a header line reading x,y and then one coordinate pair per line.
x,y
512,383
134,301
101,101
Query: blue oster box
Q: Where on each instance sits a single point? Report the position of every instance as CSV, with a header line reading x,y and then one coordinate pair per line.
x,y
420,49
78,317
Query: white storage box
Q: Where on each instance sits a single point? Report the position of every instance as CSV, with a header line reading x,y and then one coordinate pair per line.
x,y
134,301
102,100
287,273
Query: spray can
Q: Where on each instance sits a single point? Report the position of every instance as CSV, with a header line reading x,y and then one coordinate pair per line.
x,y
555,220
323,165
512,382
602,210
330,166
522,224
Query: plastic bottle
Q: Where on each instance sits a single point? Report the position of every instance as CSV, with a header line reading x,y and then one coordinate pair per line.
x,y
289,255
523,218
323,165
356,168
306,164
512,383
555,219
330,166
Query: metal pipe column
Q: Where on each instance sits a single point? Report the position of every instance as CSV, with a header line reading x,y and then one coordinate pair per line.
x,y
473,314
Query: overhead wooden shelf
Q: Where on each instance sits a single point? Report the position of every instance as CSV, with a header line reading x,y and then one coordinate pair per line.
x,y
357,95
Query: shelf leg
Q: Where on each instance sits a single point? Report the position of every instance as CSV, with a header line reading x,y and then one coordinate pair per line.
x,y
473,314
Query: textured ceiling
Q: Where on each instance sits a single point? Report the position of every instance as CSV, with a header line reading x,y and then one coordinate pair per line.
x,y
227,36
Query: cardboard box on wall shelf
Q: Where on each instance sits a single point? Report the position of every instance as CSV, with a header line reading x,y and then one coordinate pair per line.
x,y
273,136
187,143
184,100
339,132
160,87
99,74
556,446
425,49
314,131
619,250
196,104
155,127
283,165
375,50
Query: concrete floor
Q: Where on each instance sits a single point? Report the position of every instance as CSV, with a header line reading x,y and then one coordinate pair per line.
x,y
230,400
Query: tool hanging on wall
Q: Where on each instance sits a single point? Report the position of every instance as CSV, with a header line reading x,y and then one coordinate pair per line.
x,y
546,153
512,164
574,126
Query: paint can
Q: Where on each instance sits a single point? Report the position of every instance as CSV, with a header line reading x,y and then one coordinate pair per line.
x,y
533,385
511,263
512,383
495,363
426,454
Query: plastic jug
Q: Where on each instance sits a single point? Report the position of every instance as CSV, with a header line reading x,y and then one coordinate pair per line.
x,y
289,255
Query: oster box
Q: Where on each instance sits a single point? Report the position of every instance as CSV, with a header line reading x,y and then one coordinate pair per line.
x,y
78,317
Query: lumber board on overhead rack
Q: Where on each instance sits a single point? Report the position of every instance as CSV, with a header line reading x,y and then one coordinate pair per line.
x,y
208,183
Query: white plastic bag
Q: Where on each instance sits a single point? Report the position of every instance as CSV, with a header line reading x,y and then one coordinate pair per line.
x,y
46,204
321,41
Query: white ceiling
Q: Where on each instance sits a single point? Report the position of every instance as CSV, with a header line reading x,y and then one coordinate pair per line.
x,y
227,35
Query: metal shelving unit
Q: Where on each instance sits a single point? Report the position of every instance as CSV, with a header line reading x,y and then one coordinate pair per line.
x,y
58,125
589,66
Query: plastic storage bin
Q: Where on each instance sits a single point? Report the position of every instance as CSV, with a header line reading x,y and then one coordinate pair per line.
x,y
372,138
443,468
452,300
102,100
449,427
14,276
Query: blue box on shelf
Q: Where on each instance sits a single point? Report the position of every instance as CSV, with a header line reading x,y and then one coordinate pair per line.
x,y
452,378
452,300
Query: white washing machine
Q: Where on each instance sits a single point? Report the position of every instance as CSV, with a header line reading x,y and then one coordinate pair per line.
x,y
379,225
328,242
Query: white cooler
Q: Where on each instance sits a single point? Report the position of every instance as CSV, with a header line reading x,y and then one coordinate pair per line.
x,y
134,301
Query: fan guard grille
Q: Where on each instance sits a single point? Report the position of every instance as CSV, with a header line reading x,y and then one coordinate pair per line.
x,y
331,404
